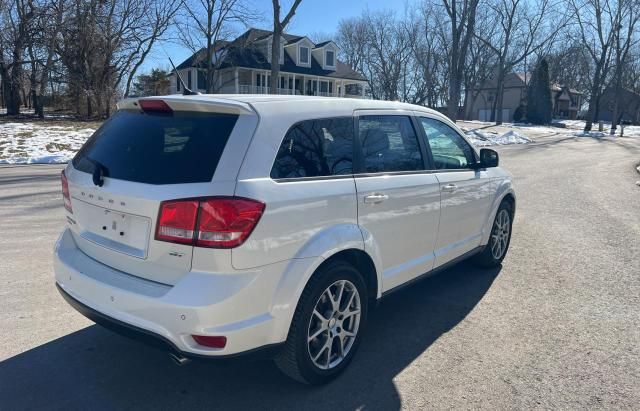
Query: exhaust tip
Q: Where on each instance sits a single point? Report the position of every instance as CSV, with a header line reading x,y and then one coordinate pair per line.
x,y
178,359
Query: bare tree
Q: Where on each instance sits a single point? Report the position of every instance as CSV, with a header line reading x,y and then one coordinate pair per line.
x,y
41,49
600,23
17,18
159,18
352,41
522,28
278,29
624,39
462,20
477,71
213,21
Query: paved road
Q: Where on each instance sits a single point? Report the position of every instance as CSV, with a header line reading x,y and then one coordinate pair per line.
x,y
557,327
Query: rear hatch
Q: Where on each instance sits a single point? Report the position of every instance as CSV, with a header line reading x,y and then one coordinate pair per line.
x,y
148,152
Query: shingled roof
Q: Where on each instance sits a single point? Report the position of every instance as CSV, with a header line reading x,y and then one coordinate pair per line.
x,y
240,54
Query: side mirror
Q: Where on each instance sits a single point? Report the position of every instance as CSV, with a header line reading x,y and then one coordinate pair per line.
x,y
488,158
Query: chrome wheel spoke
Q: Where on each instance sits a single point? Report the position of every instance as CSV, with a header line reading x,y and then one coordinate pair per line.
x,y
316,334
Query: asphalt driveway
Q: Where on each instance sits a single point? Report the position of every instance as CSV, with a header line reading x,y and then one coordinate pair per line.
x,y
558,326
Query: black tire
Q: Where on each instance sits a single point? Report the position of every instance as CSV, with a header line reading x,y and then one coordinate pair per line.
x,y
487,258
295,360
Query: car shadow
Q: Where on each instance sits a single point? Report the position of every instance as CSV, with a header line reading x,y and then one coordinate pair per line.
x,y
96,369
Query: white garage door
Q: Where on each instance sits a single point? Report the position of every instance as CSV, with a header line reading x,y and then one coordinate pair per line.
x,y
485,115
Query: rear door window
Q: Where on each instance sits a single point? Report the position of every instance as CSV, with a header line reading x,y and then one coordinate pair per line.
x,y
316,148
184,147
389,143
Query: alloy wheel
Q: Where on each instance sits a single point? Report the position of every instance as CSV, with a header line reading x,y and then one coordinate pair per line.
x,y
500,234
334,324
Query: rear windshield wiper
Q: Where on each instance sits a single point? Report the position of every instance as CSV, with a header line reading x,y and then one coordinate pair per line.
x,y
100,171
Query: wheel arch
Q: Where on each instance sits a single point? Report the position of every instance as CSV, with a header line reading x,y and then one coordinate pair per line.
x,y
504,193
342,242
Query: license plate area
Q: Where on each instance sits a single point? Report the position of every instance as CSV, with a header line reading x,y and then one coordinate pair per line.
x,y
115,230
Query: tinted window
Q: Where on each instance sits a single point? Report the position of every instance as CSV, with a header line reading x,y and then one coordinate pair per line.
x,y
389,143
158,149
449,149
316,148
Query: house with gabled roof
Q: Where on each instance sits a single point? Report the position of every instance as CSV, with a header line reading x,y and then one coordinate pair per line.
x,y
243,66
566,102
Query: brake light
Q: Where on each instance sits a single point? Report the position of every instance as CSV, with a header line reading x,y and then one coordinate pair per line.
x,y
210,341
177,221
217,222
227,222
66,197
155,106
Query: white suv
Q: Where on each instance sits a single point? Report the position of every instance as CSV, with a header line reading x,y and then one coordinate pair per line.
x,y
224,225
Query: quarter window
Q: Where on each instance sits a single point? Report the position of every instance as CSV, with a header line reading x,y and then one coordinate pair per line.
x,y
449,149
316,148
389,143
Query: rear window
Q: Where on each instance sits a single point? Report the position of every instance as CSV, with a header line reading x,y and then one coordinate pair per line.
x,y
316,148
183,147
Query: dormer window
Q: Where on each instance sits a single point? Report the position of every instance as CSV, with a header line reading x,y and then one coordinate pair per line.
x,y
304,55
330,58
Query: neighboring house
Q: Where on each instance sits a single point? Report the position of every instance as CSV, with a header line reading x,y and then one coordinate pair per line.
x,y
566,101
244,67
628,105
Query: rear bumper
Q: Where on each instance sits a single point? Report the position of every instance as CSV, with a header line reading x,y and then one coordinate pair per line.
x,y
235,305
155,340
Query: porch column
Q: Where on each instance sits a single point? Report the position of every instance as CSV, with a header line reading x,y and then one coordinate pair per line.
x,y
253,81
293,86
304,86
235,79
362,93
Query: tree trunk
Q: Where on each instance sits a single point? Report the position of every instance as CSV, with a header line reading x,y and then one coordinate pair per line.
x,y
497,109
592,112
275,58
454,99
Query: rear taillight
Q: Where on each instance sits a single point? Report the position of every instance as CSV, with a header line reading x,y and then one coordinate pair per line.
x,y
177,221
66,197
218,222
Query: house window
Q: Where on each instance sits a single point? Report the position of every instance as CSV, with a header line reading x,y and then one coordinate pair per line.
x,y
304,55
330,58
177,82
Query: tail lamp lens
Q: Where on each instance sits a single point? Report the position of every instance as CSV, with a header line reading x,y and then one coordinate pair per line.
x,y
66,196
218,222
177,221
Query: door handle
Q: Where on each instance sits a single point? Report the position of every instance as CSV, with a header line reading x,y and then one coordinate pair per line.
x,y
449,188
375,198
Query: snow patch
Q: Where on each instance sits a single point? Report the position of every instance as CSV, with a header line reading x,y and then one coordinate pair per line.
x,y
481,138
31,143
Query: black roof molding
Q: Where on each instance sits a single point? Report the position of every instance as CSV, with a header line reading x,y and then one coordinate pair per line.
x,y
324,44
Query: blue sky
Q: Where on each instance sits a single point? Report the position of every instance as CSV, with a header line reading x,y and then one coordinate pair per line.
x,y
312,16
